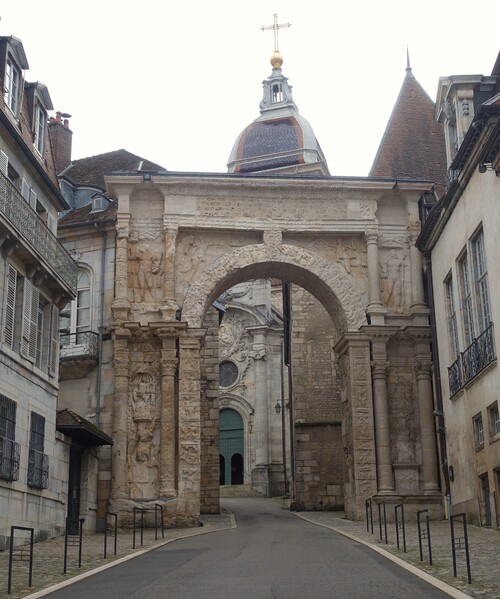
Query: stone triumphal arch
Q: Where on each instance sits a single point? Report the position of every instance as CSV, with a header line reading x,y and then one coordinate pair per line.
x,y
185,240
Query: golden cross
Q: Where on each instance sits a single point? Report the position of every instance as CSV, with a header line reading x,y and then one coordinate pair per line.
x,y
275,26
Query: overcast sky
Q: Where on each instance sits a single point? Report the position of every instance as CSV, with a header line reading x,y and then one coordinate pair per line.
x,y
176,82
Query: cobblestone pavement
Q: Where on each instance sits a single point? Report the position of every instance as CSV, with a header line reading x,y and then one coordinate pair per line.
x,y
484,549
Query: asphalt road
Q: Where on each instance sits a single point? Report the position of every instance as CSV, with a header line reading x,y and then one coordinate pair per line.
x,y
271,555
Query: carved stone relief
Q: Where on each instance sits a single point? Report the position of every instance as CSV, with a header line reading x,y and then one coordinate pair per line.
x,y
403,416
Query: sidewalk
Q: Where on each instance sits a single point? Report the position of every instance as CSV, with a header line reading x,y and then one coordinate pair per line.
x,y
48,558
484,550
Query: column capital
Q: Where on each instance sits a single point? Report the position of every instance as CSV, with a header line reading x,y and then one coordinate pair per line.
x,y
379,369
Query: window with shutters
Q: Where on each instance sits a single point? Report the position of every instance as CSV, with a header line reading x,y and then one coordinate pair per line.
x,y
38,461
30,324
9,449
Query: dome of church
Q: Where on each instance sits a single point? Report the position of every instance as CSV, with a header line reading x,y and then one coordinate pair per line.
x,y
280,139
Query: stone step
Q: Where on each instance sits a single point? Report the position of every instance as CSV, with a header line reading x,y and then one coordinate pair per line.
x,y
238,491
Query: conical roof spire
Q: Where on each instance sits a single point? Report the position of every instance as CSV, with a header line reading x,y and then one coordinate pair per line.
x,y
413,144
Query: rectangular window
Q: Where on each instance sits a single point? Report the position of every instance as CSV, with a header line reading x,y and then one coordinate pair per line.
x,y
38,462
494,419
11,86
466,299
477,422
452,318
9,449
481,282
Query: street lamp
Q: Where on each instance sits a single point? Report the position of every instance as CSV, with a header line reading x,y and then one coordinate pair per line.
x,y
277,408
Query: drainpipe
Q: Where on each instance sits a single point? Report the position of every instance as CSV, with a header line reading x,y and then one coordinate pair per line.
x,y
101,326
439,412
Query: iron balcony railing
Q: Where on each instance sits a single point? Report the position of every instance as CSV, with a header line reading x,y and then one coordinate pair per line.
x,y
472,361
38,469
455,378
35,233
79,345
10,453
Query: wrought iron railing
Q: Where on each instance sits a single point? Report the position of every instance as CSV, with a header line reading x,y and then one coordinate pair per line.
x,y
455,378
35,233
38,469
10,453
472,361
479,354
79,345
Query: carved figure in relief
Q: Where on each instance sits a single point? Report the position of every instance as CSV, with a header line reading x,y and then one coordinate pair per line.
x,y
146,269
392,275
143,414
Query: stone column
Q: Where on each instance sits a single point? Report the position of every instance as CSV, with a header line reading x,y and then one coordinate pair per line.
x,y
169,304
427,423
121,303
168,416
417,277
189,472
261,422
385,474
375,307
358,436
120,410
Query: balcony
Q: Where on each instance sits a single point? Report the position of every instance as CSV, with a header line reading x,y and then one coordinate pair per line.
x,y
79,354
30,229
472,361
10,452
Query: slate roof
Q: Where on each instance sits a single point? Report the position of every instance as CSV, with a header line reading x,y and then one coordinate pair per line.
x,y
90,171
413,145
85,215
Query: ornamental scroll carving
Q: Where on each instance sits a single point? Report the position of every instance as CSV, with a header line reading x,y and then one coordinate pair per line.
x,y
143,414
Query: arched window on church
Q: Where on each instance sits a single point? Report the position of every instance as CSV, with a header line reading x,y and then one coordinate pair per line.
x,y
75,323
277,93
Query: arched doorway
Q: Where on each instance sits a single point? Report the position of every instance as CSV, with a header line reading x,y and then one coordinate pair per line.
x,y
231,448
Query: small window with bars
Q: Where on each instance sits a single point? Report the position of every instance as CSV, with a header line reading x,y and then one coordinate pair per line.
x,y
9,449
38,462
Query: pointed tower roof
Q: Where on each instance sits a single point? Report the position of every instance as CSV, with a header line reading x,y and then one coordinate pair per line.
x,y
280,139
413,145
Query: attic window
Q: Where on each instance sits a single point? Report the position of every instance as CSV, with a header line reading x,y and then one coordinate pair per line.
x,y
99,203
40,128
12,86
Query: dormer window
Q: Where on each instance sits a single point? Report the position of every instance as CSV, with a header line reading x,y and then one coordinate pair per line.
x,y
40,128
12,86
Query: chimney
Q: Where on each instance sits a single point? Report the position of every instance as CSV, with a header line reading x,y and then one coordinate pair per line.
x,y
61,136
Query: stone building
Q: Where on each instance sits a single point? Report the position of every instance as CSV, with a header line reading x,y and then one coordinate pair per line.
x,y
460,243
37,276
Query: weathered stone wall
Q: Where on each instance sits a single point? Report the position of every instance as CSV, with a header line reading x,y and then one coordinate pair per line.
x,y
317,410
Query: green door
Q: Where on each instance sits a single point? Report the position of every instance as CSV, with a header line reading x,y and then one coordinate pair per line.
x,y
231,448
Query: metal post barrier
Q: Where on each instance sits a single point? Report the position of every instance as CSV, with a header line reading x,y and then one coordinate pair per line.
x,y
380,505
135,510
159,507
73,540
115,531
459,543
369,514
424,534
18,554
399,524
